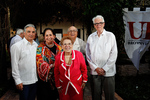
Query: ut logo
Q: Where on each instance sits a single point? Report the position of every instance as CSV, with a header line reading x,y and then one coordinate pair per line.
x,y
132,30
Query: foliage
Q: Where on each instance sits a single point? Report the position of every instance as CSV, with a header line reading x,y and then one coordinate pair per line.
x,y
112,11
43,11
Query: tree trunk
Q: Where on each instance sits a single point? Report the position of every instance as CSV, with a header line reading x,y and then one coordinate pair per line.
x,y
4,33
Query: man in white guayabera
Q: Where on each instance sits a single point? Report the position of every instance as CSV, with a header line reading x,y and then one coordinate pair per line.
x,y
101,54
23,60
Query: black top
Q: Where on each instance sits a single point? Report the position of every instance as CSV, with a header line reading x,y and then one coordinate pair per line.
x,y
53,49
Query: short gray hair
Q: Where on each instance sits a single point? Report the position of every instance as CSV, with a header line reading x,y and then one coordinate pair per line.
x,y
19,31
98,16
29,25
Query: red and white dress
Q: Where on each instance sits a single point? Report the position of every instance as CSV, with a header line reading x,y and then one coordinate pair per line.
x,y
70,78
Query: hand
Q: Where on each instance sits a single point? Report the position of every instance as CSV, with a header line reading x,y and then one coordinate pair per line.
x,y
51,65
19,86
60,90
100,71
83,85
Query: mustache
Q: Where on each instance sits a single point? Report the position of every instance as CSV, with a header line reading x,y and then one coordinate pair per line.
x,y
31,36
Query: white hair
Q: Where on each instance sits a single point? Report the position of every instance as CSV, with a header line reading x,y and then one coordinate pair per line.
x,y
29,25
19,31
98,16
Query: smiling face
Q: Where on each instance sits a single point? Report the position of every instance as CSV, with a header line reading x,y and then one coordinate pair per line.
x,y
99,24
49,37
67,46
73,32
30,34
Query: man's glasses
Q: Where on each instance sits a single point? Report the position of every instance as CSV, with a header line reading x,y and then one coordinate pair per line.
x,y
72,31
100,23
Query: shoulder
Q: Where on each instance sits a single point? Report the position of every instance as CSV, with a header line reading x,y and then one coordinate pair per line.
x,y
58,55
108,33
92,34
17,46
80,40
42,44
13,38
77,52
19,43
91,37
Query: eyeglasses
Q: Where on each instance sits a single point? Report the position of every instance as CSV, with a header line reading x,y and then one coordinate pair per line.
x,y
72,31
100,23
65,44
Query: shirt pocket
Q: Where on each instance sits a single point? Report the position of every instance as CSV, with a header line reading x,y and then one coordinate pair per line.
x,y
79,80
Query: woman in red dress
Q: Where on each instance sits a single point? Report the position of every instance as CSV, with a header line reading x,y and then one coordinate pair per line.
x,y
70,72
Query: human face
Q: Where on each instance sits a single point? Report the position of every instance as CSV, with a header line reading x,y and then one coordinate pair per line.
x,y
67,46
99,24
49,37
72,32
30,34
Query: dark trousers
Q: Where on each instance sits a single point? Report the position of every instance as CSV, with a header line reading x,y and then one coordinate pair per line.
x,y
100,84
29,92
45,92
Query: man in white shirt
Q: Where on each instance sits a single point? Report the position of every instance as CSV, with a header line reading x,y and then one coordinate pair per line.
x,y
19,36
23,55
101,54
79,44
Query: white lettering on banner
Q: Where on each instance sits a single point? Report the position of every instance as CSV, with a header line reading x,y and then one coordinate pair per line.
x,y
137,33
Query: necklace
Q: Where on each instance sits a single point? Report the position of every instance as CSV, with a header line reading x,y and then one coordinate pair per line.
x,y
51,45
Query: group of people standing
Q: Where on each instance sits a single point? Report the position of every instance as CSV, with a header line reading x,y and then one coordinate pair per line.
x,y
57,71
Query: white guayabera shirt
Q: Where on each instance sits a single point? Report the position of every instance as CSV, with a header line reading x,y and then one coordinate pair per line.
x,y
23,61
79,45
15,39
102,52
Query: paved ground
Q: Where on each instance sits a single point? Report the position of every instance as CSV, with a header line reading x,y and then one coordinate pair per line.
x,y
124,70
13,95
130,70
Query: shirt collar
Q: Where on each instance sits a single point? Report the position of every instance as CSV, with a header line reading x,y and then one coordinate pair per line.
x,y
103,33
27,42
62,55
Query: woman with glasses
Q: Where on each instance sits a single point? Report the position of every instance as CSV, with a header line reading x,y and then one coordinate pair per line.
x,y
70,72
45,58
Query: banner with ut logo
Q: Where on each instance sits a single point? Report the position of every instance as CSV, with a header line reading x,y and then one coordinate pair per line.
x,y
137,33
